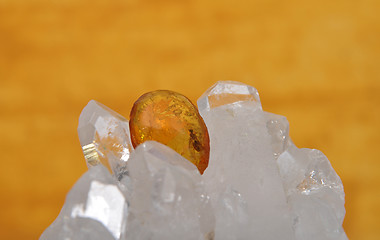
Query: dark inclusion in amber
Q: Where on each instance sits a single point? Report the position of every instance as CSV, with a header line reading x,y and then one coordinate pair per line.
x,y
171,119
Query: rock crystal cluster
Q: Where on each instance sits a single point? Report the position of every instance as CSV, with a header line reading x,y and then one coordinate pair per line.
x,y
258,184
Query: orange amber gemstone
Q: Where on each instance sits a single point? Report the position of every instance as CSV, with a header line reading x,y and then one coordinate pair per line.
x,y
171,119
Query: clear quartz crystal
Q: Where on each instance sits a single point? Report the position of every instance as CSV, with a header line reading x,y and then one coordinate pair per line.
x,y
258,184
228,92
241,158
169,200
278,129
104,136
230,213
315,193
95,208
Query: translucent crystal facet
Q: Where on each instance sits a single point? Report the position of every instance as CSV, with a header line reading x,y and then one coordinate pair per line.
x,y
242,159
315,194
228,92
278,129
230,213
95,208
104,136
169,200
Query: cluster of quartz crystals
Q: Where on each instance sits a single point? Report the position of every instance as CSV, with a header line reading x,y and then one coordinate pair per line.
x,y
258,184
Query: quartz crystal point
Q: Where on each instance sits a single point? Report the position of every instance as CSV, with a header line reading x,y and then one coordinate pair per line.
x,y
243,177
104,137
95,208
169,200
314,191
278,129
315,194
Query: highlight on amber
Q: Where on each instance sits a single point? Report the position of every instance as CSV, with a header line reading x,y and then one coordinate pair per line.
x,y
172,119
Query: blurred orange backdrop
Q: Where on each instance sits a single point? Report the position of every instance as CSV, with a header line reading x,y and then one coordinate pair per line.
x,y
316,62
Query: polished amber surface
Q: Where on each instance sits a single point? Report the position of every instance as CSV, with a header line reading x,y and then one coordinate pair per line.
x,y
171,119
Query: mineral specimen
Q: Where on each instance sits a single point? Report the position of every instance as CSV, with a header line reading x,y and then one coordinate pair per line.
x,y
171,119
242,159
104,136
258,184
169,200
95,208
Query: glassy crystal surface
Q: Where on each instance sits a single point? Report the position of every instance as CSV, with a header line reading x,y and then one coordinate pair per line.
x,y
169,200
278,129
315,193
95,208
258,184
104,137
231,213
242,158
171,119
228,92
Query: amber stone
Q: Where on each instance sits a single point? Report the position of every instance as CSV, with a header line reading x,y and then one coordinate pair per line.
x,y
171,119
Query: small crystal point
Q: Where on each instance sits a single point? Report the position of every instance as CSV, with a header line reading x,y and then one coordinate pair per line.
x,y
278,129
228,92
95,208
169,200
104,137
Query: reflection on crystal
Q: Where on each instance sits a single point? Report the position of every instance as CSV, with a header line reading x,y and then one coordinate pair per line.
x,y
94,199
104,136
78,229
308,183
98,206
322,173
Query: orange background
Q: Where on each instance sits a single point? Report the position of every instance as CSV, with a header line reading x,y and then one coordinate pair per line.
x,y
316,62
